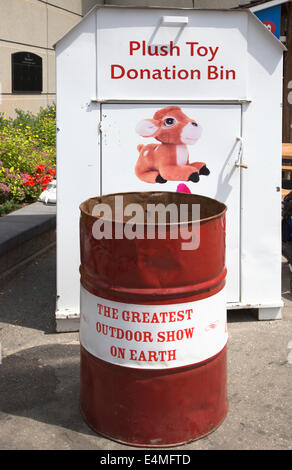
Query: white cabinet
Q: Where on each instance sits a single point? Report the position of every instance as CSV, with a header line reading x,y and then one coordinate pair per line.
x,y
119,66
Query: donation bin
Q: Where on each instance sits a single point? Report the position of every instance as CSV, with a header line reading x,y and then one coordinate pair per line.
x,y
153,316
131,82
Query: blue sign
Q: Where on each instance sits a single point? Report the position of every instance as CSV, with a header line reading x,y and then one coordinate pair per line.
x,y
271,18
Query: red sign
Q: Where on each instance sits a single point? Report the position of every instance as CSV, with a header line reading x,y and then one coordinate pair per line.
x,y
270,26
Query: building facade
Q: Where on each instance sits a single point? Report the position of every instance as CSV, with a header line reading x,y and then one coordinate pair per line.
x,y
28,31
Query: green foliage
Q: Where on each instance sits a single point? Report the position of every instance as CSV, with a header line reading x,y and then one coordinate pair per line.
x,y
27,154
9,206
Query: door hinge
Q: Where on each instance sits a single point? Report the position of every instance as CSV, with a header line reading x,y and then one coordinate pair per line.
x,y
100,126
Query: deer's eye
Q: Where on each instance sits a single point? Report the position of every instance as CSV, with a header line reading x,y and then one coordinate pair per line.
x,y
168,122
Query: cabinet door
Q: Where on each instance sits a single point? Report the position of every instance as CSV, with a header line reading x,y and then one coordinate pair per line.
x,y
217,146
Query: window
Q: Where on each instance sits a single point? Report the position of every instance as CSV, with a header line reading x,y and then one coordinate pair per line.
x,y
27,73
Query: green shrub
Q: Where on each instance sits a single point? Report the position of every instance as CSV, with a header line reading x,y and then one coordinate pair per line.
x,y
9,206
27,154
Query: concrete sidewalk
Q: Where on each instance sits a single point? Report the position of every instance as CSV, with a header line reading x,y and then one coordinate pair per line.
x,y
39,375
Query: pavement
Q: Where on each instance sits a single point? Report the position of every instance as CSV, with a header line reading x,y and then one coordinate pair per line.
x,y
39,374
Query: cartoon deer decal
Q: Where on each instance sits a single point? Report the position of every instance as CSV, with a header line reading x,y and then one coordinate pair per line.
x,y
169,160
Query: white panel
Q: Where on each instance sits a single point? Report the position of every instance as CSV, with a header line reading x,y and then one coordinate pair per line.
x,y
221,38
77,152
217,147
261,182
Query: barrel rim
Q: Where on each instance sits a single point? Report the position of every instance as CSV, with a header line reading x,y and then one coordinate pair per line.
x,y
206,219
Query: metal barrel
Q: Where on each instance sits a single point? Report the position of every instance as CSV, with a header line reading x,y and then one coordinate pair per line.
x,y
153,328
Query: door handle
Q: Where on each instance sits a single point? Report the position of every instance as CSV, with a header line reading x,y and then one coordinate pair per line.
x,y
240,165
238,162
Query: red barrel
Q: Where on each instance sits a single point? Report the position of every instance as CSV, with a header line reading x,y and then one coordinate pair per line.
x,y
153,326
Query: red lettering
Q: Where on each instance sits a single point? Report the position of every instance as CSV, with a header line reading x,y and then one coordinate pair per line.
x,y
195,73
162,355
179,335
115,314
147,337
172,48
121,353
107,311
172,355
170,336
184,76
120,333
152,356
156,75
134,46
192,48
126,315
212,72
113,75
155,318
136,317
171,316
142,356
132,74
166,73
99,307
138,336
163,315
180,315
113,351
129,335
163,50
204,51
189,332
148,74
160,337
117,352
153,50
112,331
133,355
145,316
188,312
232,72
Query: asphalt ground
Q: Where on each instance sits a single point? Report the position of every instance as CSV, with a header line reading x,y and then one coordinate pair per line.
x,y
39,374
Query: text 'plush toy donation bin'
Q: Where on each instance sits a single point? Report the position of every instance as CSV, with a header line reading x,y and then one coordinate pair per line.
x,y
150,98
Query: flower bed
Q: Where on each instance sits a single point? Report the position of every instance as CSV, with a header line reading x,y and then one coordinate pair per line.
x,y
27,156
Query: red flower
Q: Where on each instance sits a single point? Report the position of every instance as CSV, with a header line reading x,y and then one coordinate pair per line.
x,y
30,181
51,171
46,179
40,168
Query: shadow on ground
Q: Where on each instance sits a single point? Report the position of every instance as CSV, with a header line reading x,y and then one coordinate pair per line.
x,y
244,315
42,383
29,298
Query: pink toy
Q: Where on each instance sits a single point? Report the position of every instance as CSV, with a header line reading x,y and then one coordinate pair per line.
x,y
182,188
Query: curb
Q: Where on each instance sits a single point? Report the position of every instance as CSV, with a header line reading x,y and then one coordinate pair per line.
x,y
24,235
